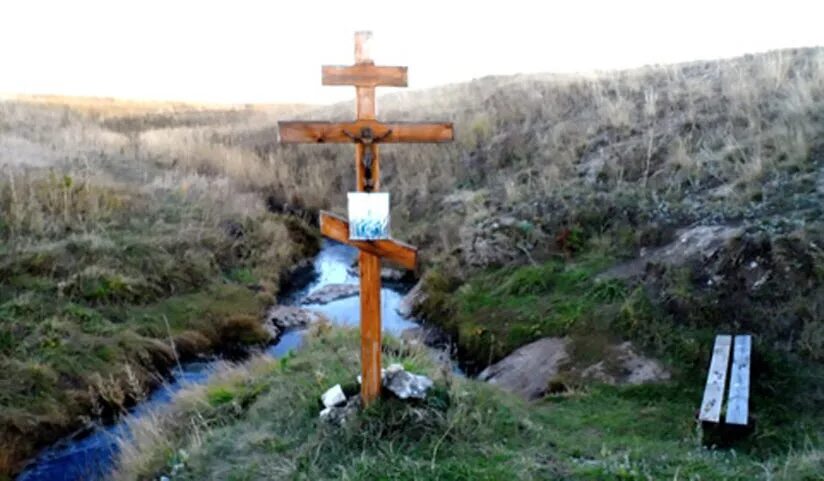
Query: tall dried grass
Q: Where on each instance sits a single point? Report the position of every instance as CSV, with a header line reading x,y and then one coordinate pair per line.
x,y
694,127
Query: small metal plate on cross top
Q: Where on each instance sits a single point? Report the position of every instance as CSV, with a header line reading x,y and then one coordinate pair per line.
x,y
368,215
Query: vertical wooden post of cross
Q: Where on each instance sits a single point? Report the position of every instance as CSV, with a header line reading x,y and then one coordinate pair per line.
x,y
370,264
366,132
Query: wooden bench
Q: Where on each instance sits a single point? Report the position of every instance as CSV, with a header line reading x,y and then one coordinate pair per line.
x,y
738,397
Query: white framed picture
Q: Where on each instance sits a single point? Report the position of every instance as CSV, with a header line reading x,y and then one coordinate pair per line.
x,y
368,215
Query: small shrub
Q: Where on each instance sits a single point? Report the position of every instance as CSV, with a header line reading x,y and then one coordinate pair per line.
x,y
219,395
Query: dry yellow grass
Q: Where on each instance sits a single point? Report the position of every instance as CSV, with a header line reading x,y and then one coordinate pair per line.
x,y
689,127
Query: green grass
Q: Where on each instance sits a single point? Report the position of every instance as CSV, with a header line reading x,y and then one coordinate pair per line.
x,y
497,311
465,430
494,312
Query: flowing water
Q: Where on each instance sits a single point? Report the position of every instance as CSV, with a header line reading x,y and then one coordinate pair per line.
x,y
90,457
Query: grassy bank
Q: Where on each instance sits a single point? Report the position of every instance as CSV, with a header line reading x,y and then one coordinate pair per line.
x,y
112,270
104,287
259,421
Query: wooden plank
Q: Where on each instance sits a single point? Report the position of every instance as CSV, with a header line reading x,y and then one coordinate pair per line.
x,y
291,132
364,75
716,378
337,228
370,324
738,399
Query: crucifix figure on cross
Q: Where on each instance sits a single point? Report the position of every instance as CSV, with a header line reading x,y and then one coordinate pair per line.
x,y
366,139
366,133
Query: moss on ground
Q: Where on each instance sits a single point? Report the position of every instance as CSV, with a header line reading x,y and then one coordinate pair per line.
x,y
260,421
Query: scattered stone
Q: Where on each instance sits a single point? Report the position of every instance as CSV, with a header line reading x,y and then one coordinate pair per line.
x,y
338,415
412,300
607,150
331,292
424,335
288,317
723,191
389,274
333,397
820,181
392,275
498,240
700,242
628,367
696,244
591,167
530,368
404,384
270,327
458,199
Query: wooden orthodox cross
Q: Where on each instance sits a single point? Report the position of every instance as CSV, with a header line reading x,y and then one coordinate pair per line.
x,y
366,132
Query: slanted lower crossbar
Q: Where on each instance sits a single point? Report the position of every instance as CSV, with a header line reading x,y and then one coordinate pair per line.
x,y
337,228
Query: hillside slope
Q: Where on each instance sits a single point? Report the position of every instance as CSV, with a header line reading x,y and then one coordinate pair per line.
x,y
660,206
616,165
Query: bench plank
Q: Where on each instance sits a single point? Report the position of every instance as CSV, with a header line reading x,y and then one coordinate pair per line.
x,y
714,390
738,399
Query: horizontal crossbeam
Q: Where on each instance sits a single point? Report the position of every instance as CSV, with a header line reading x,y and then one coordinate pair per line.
x,y
337,228
364,75
292,132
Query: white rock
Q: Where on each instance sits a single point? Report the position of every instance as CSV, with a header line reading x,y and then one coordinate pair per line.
x,y
695,244
331,292
404,384
333,397
529,369
288,317
338,415
392,369
634,368
388,274
412,300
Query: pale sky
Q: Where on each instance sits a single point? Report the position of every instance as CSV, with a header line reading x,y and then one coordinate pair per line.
x,y
271,51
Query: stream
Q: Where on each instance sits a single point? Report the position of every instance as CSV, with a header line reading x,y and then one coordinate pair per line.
x,y
90,457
